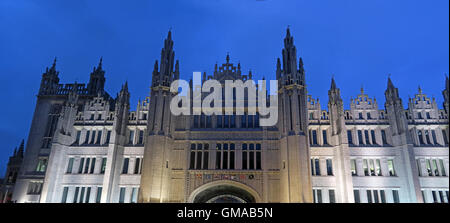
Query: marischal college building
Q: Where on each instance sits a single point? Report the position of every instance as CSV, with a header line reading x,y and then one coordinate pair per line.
x,y
85,146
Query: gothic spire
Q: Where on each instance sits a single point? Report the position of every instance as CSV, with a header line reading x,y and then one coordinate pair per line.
x,y
391,92
290,61
21,148
390,84
165,75
52,71
446,82
100,64
54,64
97,79
333,84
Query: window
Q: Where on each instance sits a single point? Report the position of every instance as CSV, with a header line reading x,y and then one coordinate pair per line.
x,y
42,165
395,196
99,137
134,195
192,158
92,166
218,156
258,156
137,166
232,148
70,165
353,167
93,137
360,138
356,195
419,115
444,135
428,115
64,195
419,134
141,137
86,166
102,170
88,195
225,156
419,167
383,137
391,168
369,196
314,137
99,195
369,116
108,137
435,199
378,167
324,135
375,196
199,156
332,196
349,137
366,134
430,172
372,168
131,138
86,141
366,167
75,195
360,115
77,139
435,168
122,195
317,167
81,195
433,134
199,159
317,195
251,156
80,168
329,167
374,140
441,162
125,165
244,156
441,196
427,137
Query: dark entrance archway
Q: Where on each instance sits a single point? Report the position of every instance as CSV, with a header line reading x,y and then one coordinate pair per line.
x,y
224,194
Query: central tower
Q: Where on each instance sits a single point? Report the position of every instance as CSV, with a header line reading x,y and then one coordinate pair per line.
x,y
155,173
293,127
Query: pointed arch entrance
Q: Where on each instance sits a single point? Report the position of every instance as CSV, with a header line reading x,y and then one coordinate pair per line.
x,y
224,191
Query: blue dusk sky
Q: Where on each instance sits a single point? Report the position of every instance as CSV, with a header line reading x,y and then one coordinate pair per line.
x,y
360,42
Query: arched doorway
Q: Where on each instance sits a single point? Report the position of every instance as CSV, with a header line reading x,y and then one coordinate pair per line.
x,y
224,192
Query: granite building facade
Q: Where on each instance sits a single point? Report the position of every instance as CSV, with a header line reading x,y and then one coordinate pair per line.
x,y
85,146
